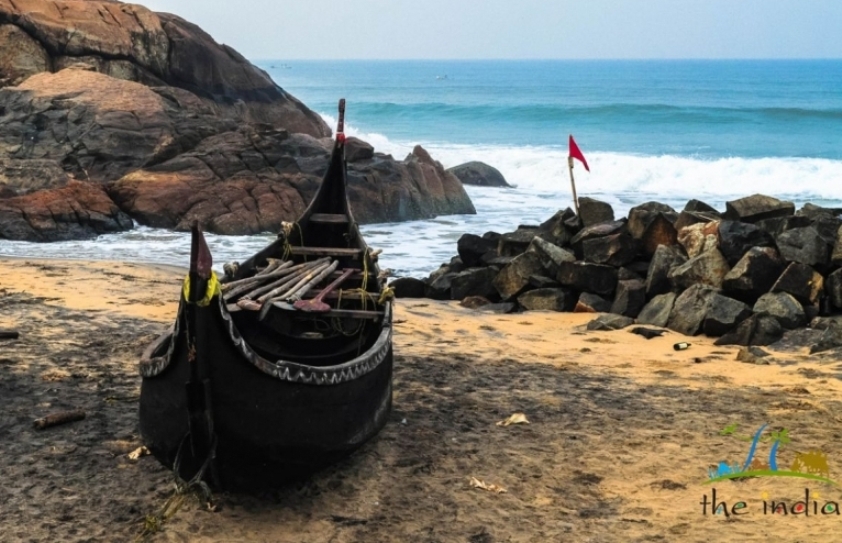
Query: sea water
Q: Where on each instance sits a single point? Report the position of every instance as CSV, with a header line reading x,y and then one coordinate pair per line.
x,y
666,130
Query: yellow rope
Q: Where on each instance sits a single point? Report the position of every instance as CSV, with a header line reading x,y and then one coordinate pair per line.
x,y
288,228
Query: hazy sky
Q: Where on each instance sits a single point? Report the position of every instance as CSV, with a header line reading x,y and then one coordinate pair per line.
x,y
471,29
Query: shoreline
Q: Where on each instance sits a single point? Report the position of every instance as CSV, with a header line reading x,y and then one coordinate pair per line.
x,y
622,429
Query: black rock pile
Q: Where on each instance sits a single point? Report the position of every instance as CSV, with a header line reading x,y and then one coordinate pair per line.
x,y
747,275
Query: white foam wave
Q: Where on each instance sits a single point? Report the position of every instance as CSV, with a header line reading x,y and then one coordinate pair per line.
x,y
629,177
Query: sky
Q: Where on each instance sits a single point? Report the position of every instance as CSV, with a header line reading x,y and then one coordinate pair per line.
x,y
518,29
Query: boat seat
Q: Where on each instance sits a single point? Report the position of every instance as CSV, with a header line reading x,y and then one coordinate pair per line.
x,y
329,218
326,251
355,313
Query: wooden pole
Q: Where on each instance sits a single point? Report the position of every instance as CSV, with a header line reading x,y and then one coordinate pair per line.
x,y
573,186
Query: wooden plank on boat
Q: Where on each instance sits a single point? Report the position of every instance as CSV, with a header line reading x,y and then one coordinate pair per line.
x,y
329,218
345,295
356,275
355,313
326,251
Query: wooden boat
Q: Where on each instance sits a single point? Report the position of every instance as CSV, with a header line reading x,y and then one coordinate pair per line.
x,y
250,393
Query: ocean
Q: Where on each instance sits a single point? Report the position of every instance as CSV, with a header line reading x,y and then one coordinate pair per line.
x,y
665,130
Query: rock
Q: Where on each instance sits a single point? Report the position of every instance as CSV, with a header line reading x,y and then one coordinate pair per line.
x,y
596,231
439,288
651,224
660,231
663,261
21,56
708,268
473,282
214,185
474,302
516,243
658,310
127,41
93,127
514,277
500,307
641,216
831,338
804,245
698,206
456,264
688,218
479,174
833,287
542,281
610,322
630,298
648,333
613,250
471,249
76,211
802,281
723,315
836,254
783,306
624,273
551,255
698,238
438,272
690,308
775,227
593,211
757,207
759,329
556,229
752,355
589,302
497,261
547,299
357,150
754,274
587,277
408,287
736,238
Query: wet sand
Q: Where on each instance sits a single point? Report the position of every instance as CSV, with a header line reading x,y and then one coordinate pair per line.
x,y
622,429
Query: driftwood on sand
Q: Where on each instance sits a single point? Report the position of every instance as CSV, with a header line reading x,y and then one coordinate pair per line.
x,y
56,419
9,334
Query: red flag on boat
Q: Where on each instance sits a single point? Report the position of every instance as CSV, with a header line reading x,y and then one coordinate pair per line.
x,y
576,153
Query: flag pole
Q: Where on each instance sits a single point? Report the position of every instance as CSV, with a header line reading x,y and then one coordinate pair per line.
x,y
573,185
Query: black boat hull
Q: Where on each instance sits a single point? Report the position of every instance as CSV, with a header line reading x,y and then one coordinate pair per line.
x,y
268,430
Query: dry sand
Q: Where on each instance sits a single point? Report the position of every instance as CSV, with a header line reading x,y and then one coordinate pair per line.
x,y
622,429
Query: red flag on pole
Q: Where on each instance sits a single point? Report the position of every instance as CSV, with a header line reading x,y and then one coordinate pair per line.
x,y
576,153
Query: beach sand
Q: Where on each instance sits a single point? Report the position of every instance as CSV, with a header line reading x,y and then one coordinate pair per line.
x,y
622,429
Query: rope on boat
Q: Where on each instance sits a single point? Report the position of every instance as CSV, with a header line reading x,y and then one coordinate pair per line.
x,y
287,228
183,490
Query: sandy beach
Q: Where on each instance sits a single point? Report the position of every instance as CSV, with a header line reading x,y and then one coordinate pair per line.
x,y
622,430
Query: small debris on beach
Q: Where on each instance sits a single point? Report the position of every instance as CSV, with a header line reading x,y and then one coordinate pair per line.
x,y
517,418
476,483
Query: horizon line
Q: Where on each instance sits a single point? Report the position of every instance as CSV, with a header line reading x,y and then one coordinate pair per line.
x,y
566,59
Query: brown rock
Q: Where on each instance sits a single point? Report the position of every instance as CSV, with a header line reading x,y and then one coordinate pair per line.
x,y
77,211
699,237
131,42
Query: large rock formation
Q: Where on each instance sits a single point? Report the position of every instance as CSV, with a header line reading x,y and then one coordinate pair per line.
x,y
127,41
174,127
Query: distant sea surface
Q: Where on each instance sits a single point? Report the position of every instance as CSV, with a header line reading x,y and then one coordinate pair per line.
x,y
651,130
